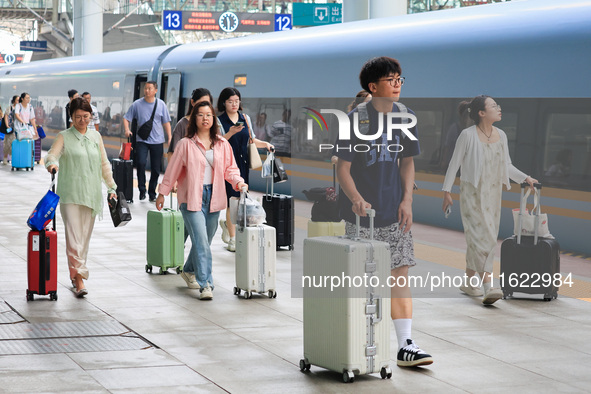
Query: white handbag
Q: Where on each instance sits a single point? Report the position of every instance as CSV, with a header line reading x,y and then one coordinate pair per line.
x,y
530,224
23,131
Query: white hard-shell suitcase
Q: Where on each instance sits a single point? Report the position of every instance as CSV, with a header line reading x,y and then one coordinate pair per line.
x,y
347,329
255,259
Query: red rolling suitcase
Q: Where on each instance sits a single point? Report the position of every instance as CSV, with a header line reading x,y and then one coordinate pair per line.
x,y
42,262
530,264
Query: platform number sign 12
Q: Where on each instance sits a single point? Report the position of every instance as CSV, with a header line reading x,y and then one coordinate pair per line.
x,y
172,20
283,22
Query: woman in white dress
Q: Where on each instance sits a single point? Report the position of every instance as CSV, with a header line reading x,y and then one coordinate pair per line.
x,y
482,153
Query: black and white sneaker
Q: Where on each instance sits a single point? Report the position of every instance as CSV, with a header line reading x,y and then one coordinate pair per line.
x,y
412,356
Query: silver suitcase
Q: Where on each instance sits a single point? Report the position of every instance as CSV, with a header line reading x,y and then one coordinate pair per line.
x,y
255,259
347,330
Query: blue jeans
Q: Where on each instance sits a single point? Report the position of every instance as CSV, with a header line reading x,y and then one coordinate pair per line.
x,y
156,152
202,226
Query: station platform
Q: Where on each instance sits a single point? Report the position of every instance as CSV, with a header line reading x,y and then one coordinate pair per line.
x,y
149,333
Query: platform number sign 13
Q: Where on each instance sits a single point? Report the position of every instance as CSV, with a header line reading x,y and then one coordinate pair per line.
x,y
283,22
172,20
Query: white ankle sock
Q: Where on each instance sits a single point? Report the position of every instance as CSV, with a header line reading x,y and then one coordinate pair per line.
x,y
487,286
403,329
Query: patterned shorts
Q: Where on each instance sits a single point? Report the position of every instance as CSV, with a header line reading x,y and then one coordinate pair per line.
x,y
401,244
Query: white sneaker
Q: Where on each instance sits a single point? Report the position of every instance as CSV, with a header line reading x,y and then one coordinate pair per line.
x,y
472,291
190,279
225,233
232,245
492,296
206,294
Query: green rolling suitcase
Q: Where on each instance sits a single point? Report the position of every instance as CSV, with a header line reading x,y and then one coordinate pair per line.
x,y
165,240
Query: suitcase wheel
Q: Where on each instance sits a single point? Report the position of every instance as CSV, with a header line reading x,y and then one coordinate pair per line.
x,y
236,291
53,295
272,294
32,168
162,271
247,295
148,269
178,270
304,366
30,296
348,377
386,373
507,294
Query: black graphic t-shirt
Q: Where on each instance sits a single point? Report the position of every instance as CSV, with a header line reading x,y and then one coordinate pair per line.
x,y
374,168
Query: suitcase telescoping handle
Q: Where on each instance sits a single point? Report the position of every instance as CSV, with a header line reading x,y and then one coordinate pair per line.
x,y
536,210
334,160
372,214
268,196
53,190
242,202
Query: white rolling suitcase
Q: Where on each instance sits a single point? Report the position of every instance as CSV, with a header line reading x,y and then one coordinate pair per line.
x,y
255,258
347,329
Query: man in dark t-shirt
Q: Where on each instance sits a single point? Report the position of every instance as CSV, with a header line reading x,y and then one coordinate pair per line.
x,y
380,175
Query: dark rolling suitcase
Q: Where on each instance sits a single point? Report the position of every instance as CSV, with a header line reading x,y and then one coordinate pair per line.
x,y
530,264
280,214
123,176
42,262
37,150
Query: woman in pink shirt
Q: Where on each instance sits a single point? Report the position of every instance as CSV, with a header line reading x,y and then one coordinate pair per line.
x,y
201,162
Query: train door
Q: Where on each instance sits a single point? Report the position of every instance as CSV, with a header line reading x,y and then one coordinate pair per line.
x,y
170,93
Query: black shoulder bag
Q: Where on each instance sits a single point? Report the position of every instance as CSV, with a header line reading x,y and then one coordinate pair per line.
x,y
145,129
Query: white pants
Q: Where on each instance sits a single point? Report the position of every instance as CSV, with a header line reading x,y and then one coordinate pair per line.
x,y
79,223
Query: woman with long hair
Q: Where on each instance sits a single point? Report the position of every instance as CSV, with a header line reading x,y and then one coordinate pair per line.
x,y
482,153
180,130
199,165
9,120
237,129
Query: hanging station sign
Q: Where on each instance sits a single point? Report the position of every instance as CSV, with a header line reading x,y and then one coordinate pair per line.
x,y
229,22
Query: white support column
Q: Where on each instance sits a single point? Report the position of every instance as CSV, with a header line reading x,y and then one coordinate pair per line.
x,y
78,23
355,10
88,27
385,8
92,27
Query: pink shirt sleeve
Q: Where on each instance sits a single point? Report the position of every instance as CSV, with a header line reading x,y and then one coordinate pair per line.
x,y
174,168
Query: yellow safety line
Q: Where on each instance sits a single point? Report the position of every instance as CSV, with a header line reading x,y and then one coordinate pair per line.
x,y
580,289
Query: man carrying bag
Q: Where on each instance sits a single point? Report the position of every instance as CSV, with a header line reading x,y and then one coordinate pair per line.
x,y
153,119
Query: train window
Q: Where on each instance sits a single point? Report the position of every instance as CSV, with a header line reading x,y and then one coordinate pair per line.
x,y
429,125
509,125
209,56
567,150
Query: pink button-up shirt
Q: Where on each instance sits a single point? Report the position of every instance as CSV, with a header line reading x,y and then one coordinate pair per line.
x,y
187,167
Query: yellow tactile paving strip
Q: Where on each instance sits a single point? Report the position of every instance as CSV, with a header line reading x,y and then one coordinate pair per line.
x,y
580,289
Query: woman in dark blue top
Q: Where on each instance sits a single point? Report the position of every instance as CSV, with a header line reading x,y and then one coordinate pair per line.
x,y
237,129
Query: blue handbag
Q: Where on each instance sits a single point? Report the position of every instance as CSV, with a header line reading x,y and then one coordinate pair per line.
x,y
44,212
41,132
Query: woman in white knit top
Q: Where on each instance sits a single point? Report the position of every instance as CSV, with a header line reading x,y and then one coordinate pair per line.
x,y
482,153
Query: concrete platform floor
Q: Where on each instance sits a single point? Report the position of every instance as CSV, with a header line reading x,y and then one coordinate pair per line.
x,y
230,344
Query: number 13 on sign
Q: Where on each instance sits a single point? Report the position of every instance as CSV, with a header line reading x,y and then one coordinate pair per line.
x,y
172,20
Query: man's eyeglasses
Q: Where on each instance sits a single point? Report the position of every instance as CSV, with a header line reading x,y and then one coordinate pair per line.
x,y
394,81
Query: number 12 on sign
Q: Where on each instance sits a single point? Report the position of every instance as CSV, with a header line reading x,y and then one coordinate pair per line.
x,y
283,22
